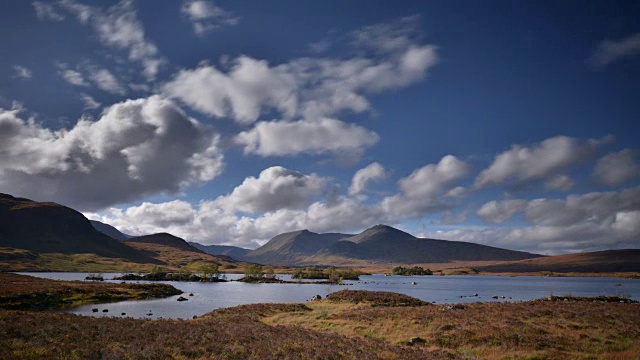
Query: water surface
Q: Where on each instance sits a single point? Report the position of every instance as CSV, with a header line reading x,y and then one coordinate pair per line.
x,y
439,289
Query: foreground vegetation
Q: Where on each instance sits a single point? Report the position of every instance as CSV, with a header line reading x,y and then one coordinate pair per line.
x,y
206,273
332,274
416,270
347,324
350,328
26,292
557,329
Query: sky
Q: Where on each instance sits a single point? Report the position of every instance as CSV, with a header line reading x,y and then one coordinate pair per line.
x,y
506,123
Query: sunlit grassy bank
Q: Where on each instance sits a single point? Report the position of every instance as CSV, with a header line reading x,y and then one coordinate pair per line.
x,y
347,324
26,292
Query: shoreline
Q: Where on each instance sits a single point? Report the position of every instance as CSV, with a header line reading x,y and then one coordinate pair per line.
x,y
346,324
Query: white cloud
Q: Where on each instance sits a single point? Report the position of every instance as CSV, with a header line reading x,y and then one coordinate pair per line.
x,y
559,182
89,102
308,88
275,188
73,77
206,16
609,51
136,148
616,168
118,27
209,223
106,81
22,72
373,172
46,11
499,212
389,37
279,138
540,161
426,188
580,222
250,85
87,71
277,201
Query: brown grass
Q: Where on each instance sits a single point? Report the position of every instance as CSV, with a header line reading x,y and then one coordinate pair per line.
x,y
350,326
534,329
375,298
27,335
26,292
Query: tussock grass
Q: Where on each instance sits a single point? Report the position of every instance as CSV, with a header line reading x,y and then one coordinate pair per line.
x,y
66,336
352,326
375,298
527,330
26,292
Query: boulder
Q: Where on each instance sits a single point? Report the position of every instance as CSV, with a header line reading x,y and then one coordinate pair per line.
x,y
416,340
316,298
182,299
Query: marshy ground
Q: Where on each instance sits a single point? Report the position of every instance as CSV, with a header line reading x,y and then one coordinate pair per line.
x,y
348,324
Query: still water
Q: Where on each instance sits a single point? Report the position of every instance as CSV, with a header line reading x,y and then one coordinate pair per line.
x,y
439,289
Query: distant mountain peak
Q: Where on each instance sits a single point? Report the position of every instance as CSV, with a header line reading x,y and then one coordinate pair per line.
x,y
380,232
109,230
166,239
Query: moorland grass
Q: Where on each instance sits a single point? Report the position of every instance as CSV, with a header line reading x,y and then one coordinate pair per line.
x,y
501,330
347,325
27,292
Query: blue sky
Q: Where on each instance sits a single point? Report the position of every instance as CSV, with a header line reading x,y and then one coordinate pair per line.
x,y
513,124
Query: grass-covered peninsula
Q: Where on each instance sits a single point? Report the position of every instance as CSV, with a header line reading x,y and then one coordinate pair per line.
x,y
346,325
27,292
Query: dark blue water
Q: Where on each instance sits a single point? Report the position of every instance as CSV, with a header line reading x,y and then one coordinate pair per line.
x,y
438,289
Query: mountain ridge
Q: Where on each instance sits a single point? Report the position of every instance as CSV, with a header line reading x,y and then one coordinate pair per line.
x,y
234,252
47,227
110,230
165,239
380,243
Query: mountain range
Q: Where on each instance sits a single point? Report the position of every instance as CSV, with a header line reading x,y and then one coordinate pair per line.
x,y
46,236
47,227
381,244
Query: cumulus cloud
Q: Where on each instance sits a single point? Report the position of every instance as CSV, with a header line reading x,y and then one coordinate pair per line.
x,y
580,222
277,201
106,81
136,148
539,161
118,27
208,223
206,16
89,102
373,172
307,87
389,37
498,212
22,72
559,182
87,74
46,11
275,188
73,77
425,189
249,86
610,51
616,168
279,138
